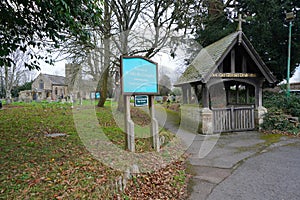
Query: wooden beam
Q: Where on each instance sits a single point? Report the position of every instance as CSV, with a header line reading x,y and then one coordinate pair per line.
x,y
233,61
244,65
205,96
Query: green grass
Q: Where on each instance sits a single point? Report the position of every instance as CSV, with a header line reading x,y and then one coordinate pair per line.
x,y
33,166
39,167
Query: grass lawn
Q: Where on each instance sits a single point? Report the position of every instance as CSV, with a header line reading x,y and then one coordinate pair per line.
x,y
33,166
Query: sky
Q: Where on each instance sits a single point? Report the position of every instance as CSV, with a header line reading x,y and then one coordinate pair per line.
x,y
296,77
162,60
57,69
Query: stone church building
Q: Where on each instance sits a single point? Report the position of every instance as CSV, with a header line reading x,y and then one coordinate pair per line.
x,y
54,87
47,86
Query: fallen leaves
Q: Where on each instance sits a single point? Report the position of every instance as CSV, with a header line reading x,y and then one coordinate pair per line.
x,y
161,184
35,167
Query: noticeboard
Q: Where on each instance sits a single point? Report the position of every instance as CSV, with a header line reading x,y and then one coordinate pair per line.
x,y
139,76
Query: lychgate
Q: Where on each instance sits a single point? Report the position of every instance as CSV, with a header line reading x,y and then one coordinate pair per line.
x,y
225,80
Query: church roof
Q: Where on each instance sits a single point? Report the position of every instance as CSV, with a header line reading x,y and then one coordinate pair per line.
x,y
56,80
210,57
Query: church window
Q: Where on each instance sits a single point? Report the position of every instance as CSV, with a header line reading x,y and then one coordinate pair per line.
x,y
41,85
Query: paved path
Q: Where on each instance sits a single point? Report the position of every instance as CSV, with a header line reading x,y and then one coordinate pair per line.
x,y
244,166
241,166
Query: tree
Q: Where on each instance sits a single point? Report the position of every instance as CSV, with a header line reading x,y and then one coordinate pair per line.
x,y
266,30
136,27
164,85
25,86
14,75
44,24
147,27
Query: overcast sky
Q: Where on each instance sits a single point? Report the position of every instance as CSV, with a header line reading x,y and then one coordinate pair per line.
x,y
59,68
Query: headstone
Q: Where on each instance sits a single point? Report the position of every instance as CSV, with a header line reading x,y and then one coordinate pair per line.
x,y
8,101
53,135
0,104
162,139
71,98
135,169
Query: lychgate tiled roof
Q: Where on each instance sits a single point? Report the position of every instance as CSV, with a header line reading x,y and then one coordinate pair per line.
x,y
211,56
206,60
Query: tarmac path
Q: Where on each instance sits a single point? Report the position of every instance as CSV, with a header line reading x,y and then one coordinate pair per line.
x,y
240,166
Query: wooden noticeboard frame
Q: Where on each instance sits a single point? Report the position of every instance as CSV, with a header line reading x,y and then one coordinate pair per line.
x,y
139,76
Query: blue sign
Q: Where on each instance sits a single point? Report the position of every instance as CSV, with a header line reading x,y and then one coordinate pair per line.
x,y
97,95
139,76
141,100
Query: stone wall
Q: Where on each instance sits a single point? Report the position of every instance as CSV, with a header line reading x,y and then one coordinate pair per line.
x,y
47,83
191,118
59,91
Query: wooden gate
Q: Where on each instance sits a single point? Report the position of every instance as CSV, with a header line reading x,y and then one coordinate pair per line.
x,y
233,119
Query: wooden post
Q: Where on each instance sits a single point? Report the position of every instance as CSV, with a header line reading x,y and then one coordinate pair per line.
x,y
247,95
237,95
258,94
232,61
129,126
154,125
227,89
184,94
244,65
205,96
189,94
232,118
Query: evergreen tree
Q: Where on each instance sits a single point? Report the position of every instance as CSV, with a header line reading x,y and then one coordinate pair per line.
x,y
266,28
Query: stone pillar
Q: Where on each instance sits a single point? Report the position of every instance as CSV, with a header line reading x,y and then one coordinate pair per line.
x,y
259,115
207,121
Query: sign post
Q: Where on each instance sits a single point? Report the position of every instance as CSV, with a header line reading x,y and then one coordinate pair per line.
x,y
139,77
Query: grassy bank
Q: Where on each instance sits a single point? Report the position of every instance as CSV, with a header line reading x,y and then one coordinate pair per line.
x,y
34,166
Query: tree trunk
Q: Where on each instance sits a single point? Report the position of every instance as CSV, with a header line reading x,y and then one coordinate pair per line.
x,y
8,86
102,84
102,87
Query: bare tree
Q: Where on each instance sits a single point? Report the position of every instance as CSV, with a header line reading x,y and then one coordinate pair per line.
x,y
14,75
135,27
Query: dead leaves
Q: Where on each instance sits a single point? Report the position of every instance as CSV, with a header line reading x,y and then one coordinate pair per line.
x,y
161,184
35,167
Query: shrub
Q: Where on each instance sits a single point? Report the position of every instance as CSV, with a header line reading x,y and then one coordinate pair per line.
x,y
280,109
289,105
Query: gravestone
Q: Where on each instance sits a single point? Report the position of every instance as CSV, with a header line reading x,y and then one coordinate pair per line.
x,y
53,135
0,104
